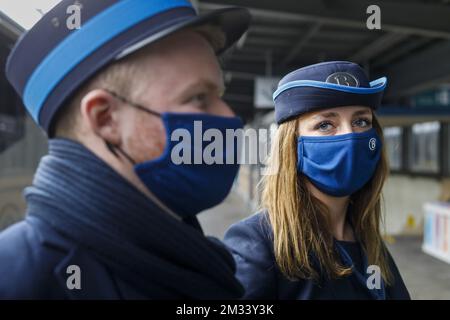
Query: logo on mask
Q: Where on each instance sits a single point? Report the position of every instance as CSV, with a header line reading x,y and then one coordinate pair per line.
x,y
343,79
373,144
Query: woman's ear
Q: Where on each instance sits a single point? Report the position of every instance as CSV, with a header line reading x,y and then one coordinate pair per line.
x,y
99,111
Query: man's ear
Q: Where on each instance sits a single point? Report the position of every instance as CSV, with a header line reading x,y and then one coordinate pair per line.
x,y
99,111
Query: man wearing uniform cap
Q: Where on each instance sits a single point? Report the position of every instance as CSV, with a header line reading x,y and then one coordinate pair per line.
x,y
110,215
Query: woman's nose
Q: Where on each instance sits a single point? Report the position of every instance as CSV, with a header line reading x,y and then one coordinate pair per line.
x,y
345,129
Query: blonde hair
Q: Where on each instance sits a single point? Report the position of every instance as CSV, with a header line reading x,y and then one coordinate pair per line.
x,y
300,221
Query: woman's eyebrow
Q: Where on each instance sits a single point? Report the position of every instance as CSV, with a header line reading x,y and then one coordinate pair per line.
x,y
361,112
326,115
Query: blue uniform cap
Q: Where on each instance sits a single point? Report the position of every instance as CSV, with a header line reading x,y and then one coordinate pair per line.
x,y
51,61
325,85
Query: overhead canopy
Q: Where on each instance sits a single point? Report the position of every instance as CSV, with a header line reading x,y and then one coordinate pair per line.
x,y
412,48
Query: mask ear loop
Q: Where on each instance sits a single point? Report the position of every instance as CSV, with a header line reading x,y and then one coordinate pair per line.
x,y
112,148
115,149
135,105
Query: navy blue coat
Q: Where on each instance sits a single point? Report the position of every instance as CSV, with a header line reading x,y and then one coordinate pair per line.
x,y
82,214
34,260
250,242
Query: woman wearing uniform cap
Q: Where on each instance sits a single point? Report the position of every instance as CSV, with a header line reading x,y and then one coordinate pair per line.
x,y
318,234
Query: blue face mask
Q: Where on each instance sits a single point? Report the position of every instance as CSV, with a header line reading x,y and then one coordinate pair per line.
x,y
339,165
191,187
192,174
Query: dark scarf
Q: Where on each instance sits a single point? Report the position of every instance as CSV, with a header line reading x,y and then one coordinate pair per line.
x,y
84,199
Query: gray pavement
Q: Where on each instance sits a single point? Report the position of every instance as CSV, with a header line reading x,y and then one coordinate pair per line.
x,y
424,276
218,219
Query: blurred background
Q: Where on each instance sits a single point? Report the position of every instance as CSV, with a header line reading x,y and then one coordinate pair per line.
x,y
412,48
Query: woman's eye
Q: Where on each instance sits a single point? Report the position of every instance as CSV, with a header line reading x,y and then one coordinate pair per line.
x,y
324,126
362,123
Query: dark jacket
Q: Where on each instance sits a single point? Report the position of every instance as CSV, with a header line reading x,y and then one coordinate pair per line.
x,y
251,243
84,221
33,265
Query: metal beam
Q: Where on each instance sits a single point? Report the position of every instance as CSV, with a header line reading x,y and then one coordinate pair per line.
x,y
312,31
429,20
267,41
244,75
421,71
242,98
341,36
9,27
273,31
405,120
195,4
242,57
405,49
377,47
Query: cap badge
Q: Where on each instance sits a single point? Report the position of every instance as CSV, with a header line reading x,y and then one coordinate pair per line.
x,y
343,79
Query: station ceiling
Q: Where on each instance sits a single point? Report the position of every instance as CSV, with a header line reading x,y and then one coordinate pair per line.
x,y
412,48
